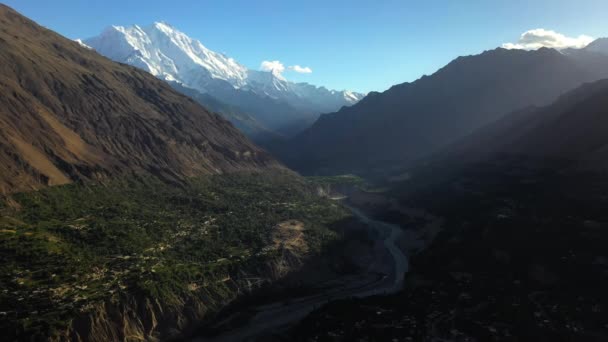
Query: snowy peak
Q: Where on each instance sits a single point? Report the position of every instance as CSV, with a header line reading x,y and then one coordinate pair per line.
x,y
165,52
352,97
272,82
180,46
165,27
170,54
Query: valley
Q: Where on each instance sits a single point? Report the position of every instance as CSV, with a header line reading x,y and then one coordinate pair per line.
x,y
133,246
382,275
155,189
520,257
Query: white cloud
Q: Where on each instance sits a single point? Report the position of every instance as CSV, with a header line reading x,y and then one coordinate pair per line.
x,y
301,70
274,66
278,68
536,39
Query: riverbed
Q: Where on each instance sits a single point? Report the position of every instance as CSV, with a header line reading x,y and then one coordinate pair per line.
x,y
273,318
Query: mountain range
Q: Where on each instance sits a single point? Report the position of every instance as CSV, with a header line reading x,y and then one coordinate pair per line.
x,y
521,253
165,52
134,205
523,244
413,120
69,114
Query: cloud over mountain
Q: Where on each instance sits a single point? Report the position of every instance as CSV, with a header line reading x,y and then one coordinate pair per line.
x,y
275,66
300,69
538,38
278,67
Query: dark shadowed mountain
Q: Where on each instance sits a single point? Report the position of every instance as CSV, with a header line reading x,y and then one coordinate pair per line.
x,y
412,120
566,136
67,113
572,129
521,256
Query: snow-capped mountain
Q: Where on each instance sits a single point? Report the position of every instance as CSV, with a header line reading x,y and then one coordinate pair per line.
x,y
173,56
167,53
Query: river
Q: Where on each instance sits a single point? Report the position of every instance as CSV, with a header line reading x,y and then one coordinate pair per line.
x,y
276,317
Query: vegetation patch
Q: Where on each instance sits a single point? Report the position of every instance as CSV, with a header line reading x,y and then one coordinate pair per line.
x,y
67,248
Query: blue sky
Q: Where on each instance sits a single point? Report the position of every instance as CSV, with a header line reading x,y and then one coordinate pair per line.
x,y
357,45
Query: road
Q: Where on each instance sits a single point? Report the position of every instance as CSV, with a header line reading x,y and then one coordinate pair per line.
x,y
276,317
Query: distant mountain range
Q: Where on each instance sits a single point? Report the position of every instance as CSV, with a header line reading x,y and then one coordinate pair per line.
x,y
69,114
165,52
412,120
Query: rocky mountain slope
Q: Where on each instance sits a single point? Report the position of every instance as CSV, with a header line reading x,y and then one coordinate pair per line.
x,y
412,120
171,55
67,113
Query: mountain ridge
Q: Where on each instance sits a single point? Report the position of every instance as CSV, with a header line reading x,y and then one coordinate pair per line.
x,y
69,114
173,56
414,119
